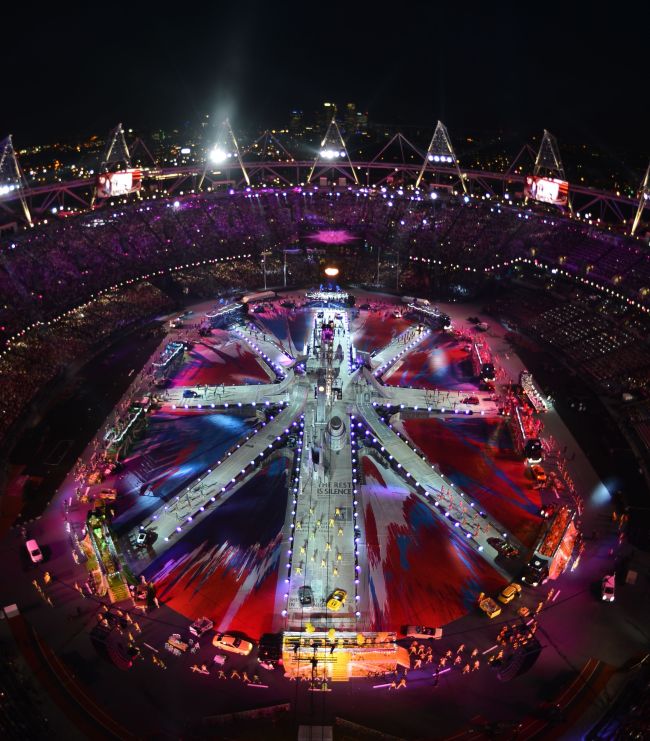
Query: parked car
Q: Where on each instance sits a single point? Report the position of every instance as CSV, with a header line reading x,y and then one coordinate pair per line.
x,y
200,626
228,642
190,394
34,551
269,653
422,631
141,538
336,600
536,572
509,593
474,400
608,588
548,510
305,596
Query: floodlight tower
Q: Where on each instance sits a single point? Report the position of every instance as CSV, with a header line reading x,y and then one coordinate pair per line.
x,y
12,180
548,163
116,156
441,151
116,152
225,148
332,150
644,200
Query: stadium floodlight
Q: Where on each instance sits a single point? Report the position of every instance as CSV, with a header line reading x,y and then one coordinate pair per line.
x,y
218,155
224,149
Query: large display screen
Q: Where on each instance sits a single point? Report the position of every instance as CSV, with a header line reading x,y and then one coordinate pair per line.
x,y
112,184
547,190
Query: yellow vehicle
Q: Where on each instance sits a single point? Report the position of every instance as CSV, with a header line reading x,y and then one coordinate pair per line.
x,y
510,592
491,608
539,474
336,600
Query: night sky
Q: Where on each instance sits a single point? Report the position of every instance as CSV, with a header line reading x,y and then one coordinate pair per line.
x,y
487,67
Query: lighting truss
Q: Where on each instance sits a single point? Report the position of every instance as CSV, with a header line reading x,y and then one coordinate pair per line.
x,y
332,150
441,152
644,200
116,152
269,148
548,163
12,180
228,149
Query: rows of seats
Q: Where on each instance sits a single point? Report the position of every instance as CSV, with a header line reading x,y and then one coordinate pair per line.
x,y
606,343
40,356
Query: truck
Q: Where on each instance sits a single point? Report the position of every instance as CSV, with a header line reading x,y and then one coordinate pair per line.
x,y
554,549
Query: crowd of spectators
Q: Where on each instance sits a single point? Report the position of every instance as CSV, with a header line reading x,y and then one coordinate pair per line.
x,y
45,353
58,265
201,244
594,334
21,710
606,343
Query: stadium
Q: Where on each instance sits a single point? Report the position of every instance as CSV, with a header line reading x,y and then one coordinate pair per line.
x,y
284,437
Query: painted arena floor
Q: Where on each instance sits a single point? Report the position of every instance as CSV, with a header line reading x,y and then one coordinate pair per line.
x,y
439,362
477,454
175,449
220,359
291,328
226,568
373,330
419,572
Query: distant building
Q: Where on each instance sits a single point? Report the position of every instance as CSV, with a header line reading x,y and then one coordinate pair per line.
x,y
361,123
325,115
296,123
350,120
